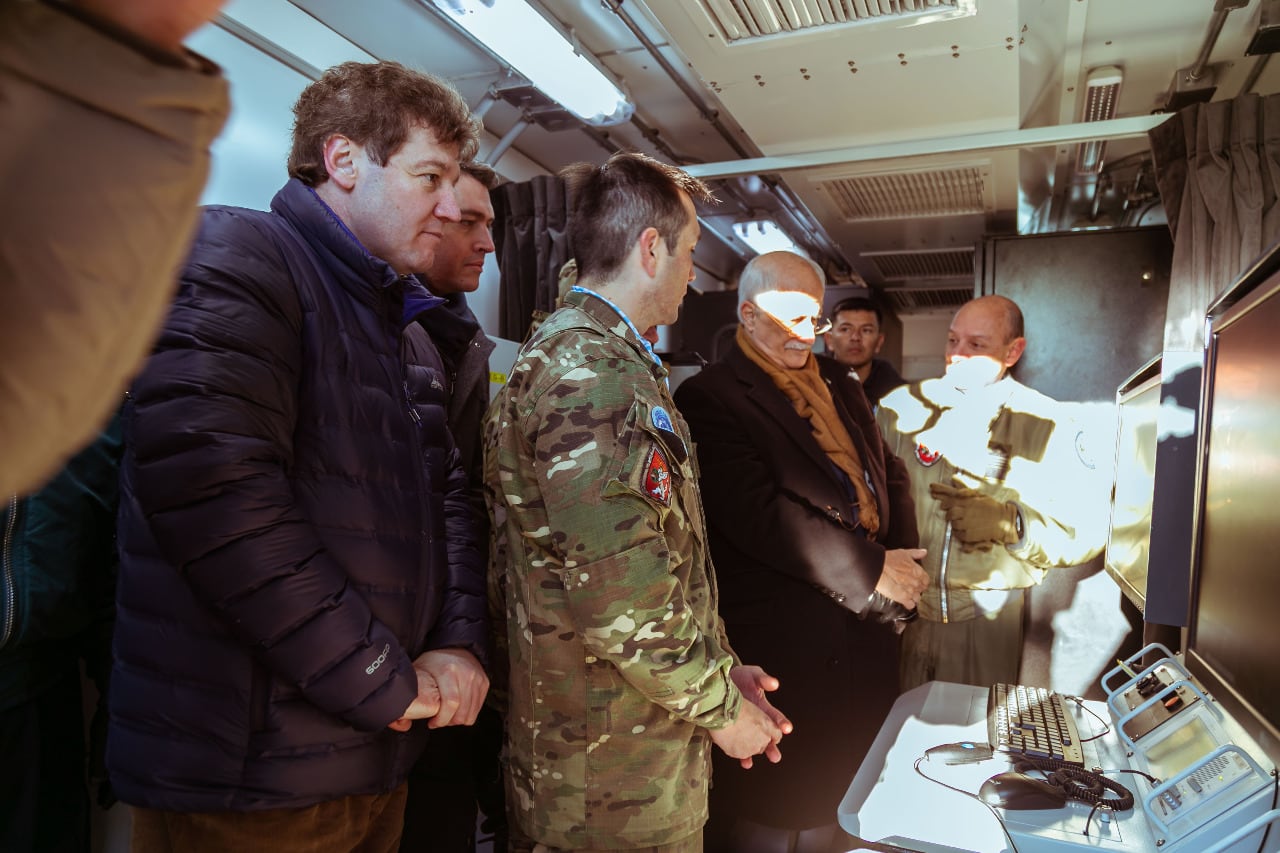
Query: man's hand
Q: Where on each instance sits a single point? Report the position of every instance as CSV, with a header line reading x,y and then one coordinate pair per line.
x,y
979,521
754,682
902,579
753,733
425,705
462,684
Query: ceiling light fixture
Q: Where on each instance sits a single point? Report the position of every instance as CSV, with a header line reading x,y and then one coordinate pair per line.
x,y
521,37
1102,94
764,235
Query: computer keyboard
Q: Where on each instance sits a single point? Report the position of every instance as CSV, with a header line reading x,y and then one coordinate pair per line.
x,y
1032,721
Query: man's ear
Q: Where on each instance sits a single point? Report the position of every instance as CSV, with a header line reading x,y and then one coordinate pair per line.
x,y
340,155
1016,349
648,243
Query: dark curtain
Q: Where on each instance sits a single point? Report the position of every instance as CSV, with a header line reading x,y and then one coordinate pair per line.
x,y
531,240
1218,170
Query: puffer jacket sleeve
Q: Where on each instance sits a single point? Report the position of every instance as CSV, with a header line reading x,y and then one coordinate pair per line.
x,y
211,434
464,619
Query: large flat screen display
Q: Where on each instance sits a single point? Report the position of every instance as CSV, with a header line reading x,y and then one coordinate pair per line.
x,y
1133,488
1233,640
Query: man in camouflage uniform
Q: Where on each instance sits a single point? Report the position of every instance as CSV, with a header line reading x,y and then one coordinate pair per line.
x,y
620,673
1005,488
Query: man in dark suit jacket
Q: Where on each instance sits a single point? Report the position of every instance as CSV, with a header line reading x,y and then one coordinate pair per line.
x,y
813,536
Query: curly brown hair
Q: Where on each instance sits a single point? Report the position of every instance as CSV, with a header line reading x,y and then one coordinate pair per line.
x,y
375,105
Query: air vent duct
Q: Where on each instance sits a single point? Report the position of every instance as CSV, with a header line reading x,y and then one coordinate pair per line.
x,y
739,20
911,300
903,195
924,264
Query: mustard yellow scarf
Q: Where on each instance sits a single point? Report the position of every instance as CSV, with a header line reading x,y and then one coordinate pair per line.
x,y
811,398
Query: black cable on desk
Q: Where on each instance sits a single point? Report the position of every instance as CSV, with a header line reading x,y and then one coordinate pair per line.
x,y
1095,808
1153,780
1106,727
1012,847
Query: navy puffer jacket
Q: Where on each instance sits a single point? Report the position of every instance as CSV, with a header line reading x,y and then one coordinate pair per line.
x,y
295,527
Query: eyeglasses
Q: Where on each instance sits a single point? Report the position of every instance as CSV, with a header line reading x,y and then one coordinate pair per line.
x,y
821,325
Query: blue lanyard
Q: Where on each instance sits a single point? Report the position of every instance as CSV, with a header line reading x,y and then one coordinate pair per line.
x,y
648,347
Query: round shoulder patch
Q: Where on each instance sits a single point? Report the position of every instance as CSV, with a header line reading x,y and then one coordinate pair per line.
x,y
661,419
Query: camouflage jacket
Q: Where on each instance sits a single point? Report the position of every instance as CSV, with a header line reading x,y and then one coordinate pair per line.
x,y
1014,444
618,660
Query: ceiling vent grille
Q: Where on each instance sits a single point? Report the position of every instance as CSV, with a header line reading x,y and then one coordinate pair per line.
x,y
924,265
903,195
740,20
909,300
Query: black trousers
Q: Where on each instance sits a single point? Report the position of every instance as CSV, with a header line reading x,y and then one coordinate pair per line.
x,y
730,834
458,773
44,802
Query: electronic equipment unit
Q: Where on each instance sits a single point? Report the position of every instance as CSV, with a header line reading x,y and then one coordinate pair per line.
x,y
1211,782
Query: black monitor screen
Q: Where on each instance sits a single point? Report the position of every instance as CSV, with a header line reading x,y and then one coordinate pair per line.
x,y
1129,535
1234,634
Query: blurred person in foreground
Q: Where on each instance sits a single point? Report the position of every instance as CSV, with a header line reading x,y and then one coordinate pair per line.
x,y
814,540
107,123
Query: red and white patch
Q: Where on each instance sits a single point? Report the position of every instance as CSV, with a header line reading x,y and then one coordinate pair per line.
x,y
925,456
657,476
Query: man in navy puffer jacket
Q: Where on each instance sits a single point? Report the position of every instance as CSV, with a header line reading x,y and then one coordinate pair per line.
x,y
300,574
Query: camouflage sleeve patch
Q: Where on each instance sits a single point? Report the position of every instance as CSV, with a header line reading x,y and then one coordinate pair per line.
x,y
657,476
610,486
651,456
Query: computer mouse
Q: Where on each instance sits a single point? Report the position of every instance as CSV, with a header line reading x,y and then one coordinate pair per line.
x,y
964,752
1017,791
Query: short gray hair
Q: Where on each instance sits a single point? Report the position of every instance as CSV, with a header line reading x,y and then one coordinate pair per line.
x,y
760,275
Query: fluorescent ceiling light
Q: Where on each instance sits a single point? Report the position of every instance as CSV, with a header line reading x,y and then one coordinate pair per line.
x,y
539,51
289,28
764,235
1102,92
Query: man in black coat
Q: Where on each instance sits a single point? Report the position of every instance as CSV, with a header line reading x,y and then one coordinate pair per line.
x,y
460,766
813,537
